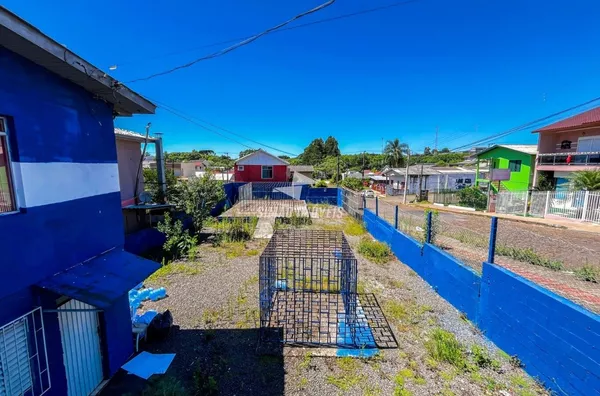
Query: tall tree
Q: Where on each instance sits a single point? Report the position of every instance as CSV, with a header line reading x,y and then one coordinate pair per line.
x,y
331,147
246,152
427,151
313,153
394,152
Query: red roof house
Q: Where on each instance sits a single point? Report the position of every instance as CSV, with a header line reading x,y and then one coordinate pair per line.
x,y
261,166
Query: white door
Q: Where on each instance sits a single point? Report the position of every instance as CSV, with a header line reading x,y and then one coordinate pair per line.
x,y
81,347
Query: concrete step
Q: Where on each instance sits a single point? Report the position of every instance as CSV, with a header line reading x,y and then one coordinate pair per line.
x,y
264,228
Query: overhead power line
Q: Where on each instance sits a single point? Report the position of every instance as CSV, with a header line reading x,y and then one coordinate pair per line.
x,y
236,46
200,122
303,25
525,126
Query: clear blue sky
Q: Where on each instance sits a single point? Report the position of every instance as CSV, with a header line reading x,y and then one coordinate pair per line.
x,y
462,65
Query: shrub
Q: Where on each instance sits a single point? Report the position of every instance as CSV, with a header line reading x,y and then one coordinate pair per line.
x,y
321,183
444,347
198,196
375,251
178,241
151,185
352,183
587,180
472,197
235,230
528,255
588,273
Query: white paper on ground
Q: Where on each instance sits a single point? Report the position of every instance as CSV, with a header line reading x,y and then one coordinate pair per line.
x,y
146,364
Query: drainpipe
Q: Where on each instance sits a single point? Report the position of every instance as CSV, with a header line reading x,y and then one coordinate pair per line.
x,y
160,165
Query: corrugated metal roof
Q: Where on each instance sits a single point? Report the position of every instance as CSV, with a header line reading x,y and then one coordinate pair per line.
x,y
523,148
302,179
587,118
124,133
302,168
102,280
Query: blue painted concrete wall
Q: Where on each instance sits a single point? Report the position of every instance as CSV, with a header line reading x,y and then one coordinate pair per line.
x,y
322,195
143,240
558,341
52,121
117,332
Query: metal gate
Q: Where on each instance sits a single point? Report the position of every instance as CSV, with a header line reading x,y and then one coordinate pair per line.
x,y
81,347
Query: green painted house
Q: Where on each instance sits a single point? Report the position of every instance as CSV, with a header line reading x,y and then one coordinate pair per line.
x,y
513,164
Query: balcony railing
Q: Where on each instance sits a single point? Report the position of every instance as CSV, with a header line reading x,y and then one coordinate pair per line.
x,y
573,159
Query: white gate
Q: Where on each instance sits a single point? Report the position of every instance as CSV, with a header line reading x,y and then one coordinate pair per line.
x,y
81,346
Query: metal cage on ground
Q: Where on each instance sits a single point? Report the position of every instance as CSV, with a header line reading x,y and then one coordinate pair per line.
x,y
308,288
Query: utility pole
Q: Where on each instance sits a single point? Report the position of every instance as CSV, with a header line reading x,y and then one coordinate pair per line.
x,y
406,177
337,177
437,129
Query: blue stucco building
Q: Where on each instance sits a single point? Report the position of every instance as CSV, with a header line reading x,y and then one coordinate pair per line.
x,y
65,325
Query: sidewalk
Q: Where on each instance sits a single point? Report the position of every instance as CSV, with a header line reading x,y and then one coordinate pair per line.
x,y
558,223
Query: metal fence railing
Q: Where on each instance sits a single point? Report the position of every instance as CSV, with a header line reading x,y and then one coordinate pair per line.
x,y
353,203
573,205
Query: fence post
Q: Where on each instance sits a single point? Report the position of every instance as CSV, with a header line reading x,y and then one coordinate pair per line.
x,y
492,246
526,203
547,203
396,217
429,221
586,198
377,206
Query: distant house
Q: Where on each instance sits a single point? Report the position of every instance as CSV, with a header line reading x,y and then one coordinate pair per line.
x,y
430,177
65,322
352,175
129,153
302,174
261,166
193,168
511,167
568,146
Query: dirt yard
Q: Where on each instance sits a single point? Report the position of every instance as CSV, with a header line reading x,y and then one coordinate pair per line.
x,y
214,302
553,257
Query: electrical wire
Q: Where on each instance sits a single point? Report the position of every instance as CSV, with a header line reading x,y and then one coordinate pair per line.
x,y
197,121
235,46
303,25
527,125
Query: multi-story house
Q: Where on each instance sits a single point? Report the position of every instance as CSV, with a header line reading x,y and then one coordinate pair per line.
x,y
65,322
569,146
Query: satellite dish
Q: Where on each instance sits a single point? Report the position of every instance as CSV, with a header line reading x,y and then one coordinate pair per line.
x,y
145,197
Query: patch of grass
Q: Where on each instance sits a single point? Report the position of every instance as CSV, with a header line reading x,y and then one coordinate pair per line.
x,y
303,382
394,310
205,384
165,386
448,375
372,390
588,273
361,287
396,284
444,347
521,385
406,373
211,316
399,389
482,359
349,376
353,227
419,381
374,251
171,269
252,252
476,377
306,361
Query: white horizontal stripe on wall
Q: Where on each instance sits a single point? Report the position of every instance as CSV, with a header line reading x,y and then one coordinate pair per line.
x,y
45,183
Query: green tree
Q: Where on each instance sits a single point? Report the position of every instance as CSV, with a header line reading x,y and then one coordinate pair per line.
x,y
284,157
314,153
244,153
198,196
328,168
394,152
352,184
445,150
587,180
331,147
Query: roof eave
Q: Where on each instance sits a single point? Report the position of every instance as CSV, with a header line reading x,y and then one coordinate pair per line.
x,y
24,39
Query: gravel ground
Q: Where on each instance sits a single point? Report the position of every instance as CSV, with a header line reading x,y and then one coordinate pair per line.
x,y
214,301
